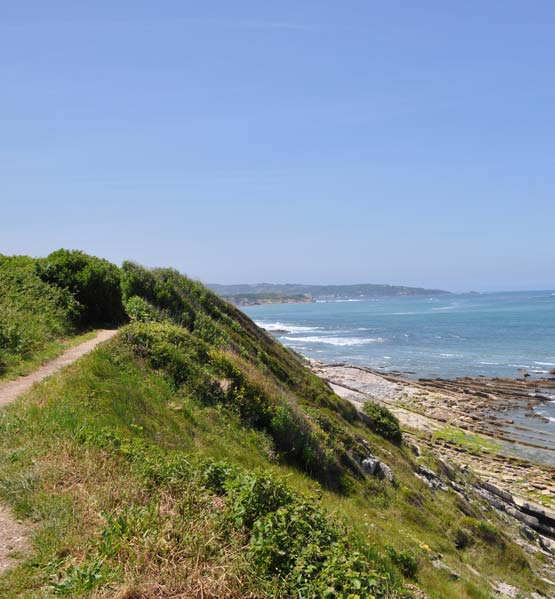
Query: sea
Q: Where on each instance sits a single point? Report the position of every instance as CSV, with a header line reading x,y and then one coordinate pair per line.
x,y
448,336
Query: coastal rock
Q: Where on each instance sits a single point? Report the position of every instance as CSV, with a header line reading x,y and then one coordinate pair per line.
x,y
370,465
374,467
546,544
440,565
504,495
528,520
387,473
506,590
414,448
430,478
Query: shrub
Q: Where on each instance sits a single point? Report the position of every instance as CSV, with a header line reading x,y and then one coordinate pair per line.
x,y
462,538
94,282
254,495
488,532
281,537
383,422
139,310
32,312
404,560
294,547
310,557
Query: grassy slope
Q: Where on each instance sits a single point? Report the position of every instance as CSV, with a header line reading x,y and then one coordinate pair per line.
x,y
109,460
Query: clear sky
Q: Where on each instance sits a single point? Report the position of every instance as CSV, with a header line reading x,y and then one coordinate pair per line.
x,y
293,141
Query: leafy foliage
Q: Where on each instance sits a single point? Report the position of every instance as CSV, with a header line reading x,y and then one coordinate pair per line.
x,y
94,282
139,310
383,422
32,312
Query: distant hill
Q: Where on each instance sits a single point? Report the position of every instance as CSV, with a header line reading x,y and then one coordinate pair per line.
x,y
321,292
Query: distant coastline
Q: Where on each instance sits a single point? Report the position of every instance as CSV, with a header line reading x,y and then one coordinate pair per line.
x,y
259,299
294,293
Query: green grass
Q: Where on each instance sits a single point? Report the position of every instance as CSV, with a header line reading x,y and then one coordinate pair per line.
x,y
472,441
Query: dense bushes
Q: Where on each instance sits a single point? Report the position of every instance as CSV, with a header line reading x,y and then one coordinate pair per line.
x,y
95,283
293,545
139,310
383,422
32,312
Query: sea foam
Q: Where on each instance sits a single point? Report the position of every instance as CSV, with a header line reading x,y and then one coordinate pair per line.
x,y
284,327
340,341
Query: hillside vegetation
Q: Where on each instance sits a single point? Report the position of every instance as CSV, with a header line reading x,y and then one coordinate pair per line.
x,y
194,456
44,301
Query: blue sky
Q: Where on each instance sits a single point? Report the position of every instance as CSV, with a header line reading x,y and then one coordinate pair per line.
x,y
295,141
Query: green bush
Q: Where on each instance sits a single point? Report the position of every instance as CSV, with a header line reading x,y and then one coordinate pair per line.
x,y
404,560
294,547
94,282
282,536
383,422
32,312
488,532
462,538
139,310
254,495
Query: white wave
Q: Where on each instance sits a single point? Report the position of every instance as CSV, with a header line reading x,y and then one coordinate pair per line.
x,y
340,341
545,363
490,363
283,327
452,355
444,308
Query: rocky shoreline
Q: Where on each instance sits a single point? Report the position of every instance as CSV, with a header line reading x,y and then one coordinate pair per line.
x,y
499,408
447,424
463,423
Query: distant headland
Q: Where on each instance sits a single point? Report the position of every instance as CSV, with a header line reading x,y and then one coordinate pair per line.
x,y
271,293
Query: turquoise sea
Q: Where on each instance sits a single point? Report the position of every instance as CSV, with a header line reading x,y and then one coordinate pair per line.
x,y
494,334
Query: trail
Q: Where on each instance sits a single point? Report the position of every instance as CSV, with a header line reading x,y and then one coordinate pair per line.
x,y
13,534
13,389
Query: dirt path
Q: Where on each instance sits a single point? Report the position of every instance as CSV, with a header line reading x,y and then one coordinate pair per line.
x,y
13,535
13,389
